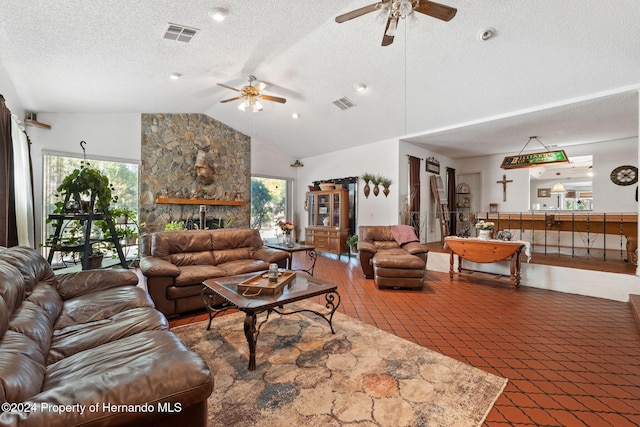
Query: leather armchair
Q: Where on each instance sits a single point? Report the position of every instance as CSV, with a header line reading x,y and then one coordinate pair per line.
x,y
391,263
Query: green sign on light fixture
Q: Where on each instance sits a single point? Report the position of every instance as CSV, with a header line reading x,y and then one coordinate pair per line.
x,y
534,159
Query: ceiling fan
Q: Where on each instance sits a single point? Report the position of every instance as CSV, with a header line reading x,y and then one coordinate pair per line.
x,y
400,9
251,94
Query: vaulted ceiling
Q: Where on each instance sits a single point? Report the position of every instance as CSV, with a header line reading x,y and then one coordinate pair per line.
x,y
565,71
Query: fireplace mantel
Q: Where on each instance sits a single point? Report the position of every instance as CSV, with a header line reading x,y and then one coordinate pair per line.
x,y
176,201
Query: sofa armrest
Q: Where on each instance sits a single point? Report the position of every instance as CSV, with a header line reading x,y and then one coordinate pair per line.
x,y
365,246
71,285
270,254
415,248
155,267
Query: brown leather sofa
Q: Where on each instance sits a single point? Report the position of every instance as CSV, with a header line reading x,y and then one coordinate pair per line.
x,y
88,348
390,262
177,262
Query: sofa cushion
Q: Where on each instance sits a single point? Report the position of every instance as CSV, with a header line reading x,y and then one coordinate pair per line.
x,y
22,368
30,321
383,245
192,258
243,266
397,258
196,274
12,289
33,267
101,305
166,243
231,238
225,255
149,367
76,338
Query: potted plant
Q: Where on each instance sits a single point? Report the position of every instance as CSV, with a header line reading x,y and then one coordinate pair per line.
x,y
352,242
88,182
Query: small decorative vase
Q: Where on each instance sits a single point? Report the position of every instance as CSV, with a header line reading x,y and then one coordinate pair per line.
x,y
376,190
287,241
386,191
484,234
367,190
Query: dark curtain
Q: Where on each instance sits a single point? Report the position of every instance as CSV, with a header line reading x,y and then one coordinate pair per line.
x,y
8,229
451,200
414,192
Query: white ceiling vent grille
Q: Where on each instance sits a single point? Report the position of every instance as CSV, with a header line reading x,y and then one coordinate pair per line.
x,y
344,103
180,33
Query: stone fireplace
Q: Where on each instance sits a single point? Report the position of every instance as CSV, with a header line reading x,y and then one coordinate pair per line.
x,y
192,162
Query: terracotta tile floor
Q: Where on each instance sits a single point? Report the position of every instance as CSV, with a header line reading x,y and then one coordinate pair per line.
x,y
570,360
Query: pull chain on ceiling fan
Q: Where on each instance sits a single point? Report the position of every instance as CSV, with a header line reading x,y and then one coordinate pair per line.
x,y
251,95
400,9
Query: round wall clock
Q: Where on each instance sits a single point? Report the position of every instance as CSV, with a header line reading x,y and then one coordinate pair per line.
x,y
624,175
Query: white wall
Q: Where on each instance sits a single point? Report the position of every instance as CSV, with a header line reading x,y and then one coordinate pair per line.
x,y
377,158
607,197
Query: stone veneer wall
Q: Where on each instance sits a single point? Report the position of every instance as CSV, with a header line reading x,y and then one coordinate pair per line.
x,y
193,156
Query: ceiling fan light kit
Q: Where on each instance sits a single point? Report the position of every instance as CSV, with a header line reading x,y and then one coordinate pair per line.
x,y
250,95
400,9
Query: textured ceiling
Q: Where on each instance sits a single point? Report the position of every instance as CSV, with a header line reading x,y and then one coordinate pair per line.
x,y
566,71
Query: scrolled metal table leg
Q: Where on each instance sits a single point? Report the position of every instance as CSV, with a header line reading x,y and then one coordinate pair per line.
x,y
250,333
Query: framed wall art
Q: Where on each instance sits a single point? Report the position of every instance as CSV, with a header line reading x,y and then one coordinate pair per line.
x,y
544,192
432,165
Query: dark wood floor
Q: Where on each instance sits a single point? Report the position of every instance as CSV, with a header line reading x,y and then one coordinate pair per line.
x,y
570,360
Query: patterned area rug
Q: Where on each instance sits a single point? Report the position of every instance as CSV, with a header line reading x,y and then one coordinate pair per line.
x,y
361,376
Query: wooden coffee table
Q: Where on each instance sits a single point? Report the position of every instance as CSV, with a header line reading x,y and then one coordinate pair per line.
x,y
303,287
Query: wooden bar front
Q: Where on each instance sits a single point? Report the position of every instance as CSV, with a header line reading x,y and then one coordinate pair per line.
x,y
485,251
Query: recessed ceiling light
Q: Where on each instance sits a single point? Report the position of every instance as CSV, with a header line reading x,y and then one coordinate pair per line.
x,y
295,115
486,34
218,14
175,76
360,87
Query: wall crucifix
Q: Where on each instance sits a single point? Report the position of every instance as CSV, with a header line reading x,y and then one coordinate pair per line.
x,y
504,183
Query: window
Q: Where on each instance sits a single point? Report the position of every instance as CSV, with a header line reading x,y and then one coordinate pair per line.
x,y
270,203
123,175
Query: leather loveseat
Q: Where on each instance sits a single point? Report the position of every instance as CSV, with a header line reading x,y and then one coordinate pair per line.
x,y
88,348
177,262
392,256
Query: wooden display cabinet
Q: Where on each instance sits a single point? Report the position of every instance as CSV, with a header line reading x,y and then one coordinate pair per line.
x,y
328,220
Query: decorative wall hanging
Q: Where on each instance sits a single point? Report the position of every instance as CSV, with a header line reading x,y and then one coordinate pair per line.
x,y
432,165
367,177
624,175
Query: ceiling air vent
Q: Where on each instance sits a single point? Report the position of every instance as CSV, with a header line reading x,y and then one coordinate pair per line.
x,y
180,33
344,103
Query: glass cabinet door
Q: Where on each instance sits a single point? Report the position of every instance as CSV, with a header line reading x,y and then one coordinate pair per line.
x,y
335,220
312,209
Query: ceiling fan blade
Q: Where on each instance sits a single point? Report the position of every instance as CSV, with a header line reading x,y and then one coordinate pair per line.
x,y
436,10
387,39
358,12
228,87
231,99
273,98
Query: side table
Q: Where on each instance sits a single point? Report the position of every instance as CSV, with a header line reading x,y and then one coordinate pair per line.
x,y
311,250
